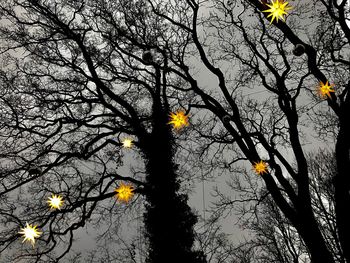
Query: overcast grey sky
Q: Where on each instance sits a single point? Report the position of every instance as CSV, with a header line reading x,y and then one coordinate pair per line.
x,y
85,236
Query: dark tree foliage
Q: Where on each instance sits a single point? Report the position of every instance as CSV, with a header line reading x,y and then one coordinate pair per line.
x,y
76,78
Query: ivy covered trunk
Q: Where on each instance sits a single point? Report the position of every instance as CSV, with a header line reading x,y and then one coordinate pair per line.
x,y
342,181
168,219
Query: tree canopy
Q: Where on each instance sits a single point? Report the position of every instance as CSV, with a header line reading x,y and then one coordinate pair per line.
x,y
259,80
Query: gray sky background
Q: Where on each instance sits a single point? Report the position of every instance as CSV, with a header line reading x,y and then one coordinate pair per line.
x,y
85,236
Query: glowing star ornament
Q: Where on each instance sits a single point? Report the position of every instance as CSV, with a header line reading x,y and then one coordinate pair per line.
x,y
30,233
178,120
277,10
127,143
55,202
324,89
124,192
260,167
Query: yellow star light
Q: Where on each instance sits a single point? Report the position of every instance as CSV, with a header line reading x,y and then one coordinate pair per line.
x,y
124,192
277,10
178,120
260,167
55,202
127,143
30,233
324,89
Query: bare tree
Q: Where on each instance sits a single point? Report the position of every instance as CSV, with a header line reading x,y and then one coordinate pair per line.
x,y
288,63
276,239
238,47
77,77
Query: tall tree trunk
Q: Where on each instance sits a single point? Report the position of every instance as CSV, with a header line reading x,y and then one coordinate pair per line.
x,y
308,229
342,185
168,219
303,219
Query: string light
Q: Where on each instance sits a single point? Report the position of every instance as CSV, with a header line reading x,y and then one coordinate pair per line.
x,y
127,143
324,89
277,10
55,202
30,233
178,120
124,192
260,167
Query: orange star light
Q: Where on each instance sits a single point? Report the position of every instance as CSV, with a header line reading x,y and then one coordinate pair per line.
x,y
55,202
324,89
124,192
260,167
178,120
277,10
30,233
